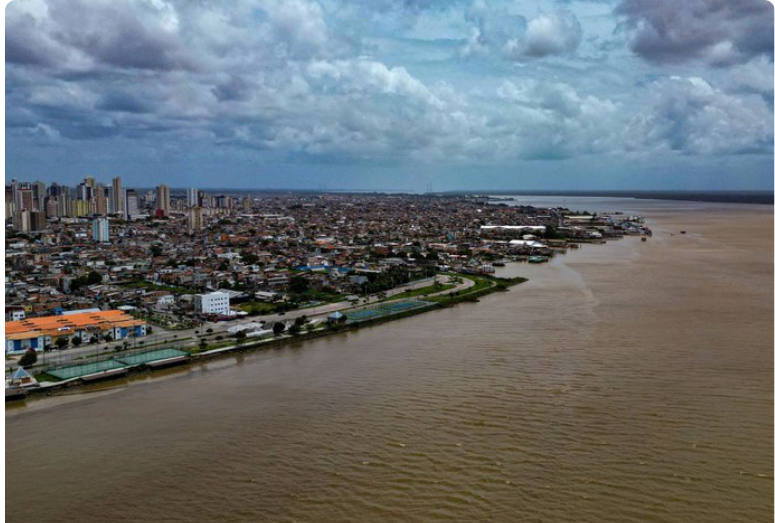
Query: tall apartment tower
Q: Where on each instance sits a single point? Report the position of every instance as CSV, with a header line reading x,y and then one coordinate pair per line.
x,y
192,198
64,200
101,200
26,199
117,202
131,204
39,195
195,218
101,230
163,199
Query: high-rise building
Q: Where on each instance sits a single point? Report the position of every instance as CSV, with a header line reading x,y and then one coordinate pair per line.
x,y
52,207
39,195
79,208
101,200
29,221
101,230
195,220
131,204
192,198
64,200
223,202
26,199
15,192
163,199
21,220
117,197
85,192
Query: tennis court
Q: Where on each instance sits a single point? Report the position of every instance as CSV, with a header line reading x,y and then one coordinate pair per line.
x,y
386,309
76,371
153,355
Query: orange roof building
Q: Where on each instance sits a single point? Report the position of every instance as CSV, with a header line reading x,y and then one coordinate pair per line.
x,y
37,333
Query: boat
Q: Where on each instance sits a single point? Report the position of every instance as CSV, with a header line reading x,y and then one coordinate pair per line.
x,y
498,264
643,239
536,259
683,232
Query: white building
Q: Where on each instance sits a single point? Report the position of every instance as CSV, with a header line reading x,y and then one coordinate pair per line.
x,y
212,303
192,197
101,230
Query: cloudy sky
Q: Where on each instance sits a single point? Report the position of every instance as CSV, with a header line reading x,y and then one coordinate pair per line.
x,y
392,94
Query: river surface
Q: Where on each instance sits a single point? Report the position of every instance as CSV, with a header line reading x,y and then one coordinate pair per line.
x,y
631,381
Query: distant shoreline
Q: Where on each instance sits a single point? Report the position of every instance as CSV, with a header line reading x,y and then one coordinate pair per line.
x,y
748,197
752,197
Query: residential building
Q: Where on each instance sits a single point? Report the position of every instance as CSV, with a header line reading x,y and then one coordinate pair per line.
x,y
163,199
192,197
117,203
195,220
101,230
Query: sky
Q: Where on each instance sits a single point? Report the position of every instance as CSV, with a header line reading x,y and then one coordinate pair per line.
x,y
406,95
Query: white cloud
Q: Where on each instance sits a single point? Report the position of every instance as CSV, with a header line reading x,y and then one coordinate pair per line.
x,y
548,34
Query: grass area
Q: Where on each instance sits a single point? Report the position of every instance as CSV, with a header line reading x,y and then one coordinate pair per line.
x,y
430,289
482,285
45,376
162,320
325,297
255,308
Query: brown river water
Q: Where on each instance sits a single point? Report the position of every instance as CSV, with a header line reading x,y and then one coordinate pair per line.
x,y
626,382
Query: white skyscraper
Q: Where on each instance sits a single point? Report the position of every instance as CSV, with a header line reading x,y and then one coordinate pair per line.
x,y
100,230
192,198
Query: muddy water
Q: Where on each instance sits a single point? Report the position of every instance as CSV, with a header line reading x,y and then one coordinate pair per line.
x,y
625,382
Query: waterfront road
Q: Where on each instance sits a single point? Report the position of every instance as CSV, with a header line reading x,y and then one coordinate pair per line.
x,y
161,338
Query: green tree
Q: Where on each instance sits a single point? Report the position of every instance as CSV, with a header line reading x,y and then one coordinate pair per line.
x,y
77,341
298,284
62,343
295,329
29,358
278,328
241,335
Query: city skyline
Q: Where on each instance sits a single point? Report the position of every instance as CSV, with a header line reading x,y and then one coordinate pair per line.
x,y
544,95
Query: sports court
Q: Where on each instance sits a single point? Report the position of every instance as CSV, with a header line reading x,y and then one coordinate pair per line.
x,y
76,371
154,355
122,362
386,309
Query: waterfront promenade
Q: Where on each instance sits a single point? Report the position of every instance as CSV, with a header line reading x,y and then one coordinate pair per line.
x,y
191,337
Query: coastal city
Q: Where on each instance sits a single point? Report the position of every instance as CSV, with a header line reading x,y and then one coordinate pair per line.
x,y
101,279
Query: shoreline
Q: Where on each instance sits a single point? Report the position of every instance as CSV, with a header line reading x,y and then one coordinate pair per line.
x,y
499,284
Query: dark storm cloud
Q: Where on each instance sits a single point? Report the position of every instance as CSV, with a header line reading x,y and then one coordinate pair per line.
x,y
123,102
235,89
114,34
720,32
75,33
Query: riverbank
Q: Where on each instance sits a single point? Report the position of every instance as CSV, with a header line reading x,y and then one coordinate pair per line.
x,y
446,297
